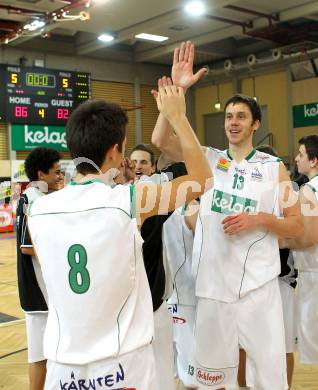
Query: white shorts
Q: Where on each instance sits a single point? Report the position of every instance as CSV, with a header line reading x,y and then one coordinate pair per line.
x,y
132,371
307,318
289,312
183,323
256,323
163,348
35,327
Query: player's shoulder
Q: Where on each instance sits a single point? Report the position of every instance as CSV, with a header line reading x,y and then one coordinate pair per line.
x,y
313,183
257,156
214,154
31,194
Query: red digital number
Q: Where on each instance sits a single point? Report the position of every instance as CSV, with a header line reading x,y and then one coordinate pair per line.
x,y
21,111
62,113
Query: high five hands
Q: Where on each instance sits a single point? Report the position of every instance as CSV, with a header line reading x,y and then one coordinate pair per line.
x,y
182,68
170,100
182,77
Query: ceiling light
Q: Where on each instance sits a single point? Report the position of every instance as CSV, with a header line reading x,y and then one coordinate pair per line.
x,y
106,38
254,89
151,37
218,104
195,8
84,15
34,25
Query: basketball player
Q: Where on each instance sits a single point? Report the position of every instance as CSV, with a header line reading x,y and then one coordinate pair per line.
x,y
306,252
100,322
144,160
43,169
178,245
287,284
236,248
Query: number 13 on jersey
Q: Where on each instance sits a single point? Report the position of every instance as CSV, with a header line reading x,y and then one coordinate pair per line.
x,y
238,182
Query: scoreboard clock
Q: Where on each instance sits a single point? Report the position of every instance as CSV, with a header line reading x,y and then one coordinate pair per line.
x,y
43,96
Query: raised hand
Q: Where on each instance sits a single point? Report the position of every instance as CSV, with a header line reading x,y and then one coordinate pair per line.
x,y
182,68
127,172
162,82
170,102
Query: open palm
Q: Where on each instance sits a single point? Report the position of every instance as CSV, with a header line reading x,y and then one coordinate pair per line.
x,y
182,68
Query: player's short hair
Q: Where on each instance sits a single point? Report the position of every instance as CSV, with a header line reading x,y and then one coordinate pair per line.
x,y
40,159
311,144
250,102
267,149
92,129
145,148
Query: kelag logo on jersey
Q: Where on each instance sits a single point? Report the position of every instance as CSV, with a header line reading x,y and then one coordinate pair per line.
x,y
228,204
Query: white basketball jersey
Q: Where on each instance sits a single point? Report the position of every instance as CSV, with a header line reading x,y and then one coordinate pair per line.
x,y
90,251
228,267
178,245
307,259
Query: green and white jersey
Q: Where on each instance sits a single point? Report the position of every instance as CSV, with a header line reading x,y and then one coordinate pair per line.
x,y
90,251
178,246
228,267
307,259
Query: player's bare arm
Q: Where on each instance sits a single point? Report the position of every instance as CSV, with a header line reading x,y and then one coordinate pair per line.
x,y
290,226
154,199
309,211
27,250
182,76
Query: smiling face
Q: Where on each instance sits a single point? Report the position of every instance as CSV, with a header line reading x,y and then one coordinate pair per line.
x,y
53,178
142,161
239,124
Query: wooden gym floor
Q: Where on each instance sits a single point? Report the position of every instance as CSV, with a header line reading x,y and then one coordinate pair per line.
x,y
13,346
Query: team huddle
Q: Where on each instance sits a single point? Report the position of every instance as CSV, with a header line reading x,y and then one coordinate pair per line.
x,y
133,274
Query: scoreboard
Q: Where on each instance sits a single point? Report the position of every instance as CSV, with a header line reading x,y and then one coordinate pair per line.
x,y
43,96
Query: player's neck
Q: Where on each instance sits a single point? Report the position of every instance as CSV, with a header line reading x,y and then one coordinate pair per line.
x,y
312,173
241,151
106,176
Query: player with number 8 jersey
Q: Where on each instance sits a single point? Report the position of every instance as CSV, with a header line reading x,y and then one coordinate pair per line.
x,y
88,270
87,239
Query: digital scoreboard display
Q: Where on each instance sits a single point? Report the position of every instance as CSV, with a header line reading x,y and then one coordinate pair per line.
x,y
43,96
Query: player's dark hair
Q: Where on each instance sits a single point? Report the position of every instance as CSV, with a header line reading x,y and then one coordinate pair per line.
x,y
311,144
92,129
252,104
40,159
145,148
